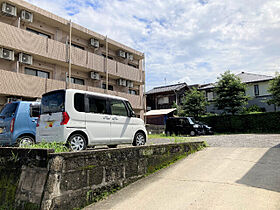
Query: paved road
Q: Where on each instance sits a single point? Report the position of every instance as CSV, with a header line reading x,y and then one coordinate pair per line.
x,y
232,175
234,140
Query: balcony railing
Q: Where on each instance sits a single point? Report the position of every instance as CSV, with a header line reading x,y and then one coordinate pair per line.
x,y
17,84
24,41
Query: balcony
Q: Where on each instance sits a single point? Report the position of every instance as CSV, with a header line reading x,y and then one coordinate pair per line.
x,y
17,84
24,41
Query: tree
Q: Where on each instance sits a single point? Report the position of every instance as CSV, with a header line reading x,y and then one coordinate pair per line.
x,y
194,103
230,93
274,89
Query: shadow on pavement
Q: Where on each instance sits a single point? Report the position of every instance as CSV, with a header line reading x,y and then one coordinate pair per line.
x,y
265,173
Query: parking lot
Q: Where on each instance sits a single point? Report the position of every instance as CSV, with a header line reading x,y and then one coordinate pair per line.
x,y
232,140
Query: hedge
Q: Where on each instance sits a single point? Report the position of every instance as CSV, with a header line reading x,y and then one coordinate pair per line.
x,y
249,123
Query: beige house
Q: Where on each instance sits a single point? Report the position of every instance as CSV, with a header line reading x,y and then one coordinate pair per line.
x,y
39,51
257,90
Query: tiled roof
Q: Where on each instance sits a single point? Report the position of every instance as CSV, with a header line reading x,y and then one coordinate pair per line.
x,y
167,88
245,78
249,77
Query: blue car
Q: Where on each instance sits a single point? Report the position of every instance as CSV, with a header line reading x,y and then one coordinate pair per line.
x,y
18,123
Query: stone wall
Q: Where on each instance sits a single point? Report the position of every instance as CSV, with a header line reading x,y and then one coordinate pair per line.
x,y
76,179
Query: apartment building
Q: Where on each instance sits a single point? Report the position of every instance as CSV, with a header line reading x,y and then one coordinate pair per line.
x,y
40,51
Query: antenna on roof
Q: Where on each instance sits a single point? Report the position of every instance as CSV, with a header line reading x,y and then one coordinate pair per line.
x,y
165,80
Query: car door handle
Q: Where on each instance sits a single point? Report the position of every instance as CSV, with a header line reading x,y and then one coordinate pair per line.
x,y
114,118
106,118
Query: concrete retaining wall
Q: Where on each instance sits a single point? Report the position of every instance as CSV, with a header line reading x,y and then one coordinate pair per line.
x,y
72,180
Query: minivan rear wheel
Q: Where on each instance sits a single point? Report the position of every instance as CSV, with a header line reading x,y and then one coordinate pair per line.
x,y
25,141
77,142
139,139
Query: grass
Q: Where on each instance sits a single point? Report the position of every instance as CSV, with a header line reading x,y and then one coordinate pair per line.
x,y
58,147
173,138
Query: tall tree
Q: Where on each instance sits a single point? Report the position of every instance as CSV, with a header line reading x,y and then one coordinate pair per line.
x,y
274,89
194,103
230,93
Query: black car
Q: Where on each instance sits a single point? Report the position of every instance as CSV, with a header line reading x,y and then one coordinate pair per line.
x,y
186,126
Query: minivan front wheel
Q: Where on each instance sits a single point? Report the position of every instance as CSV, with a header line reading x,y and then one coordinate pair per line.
x,y
139,139
25,141
77,142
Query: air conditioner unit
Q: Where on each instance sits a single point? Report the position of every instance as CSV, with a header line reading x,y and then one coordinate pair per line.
x,y
122,82
9,9
7,54
26,16
26,59
94,75
94,43
121,53
129,56
129,84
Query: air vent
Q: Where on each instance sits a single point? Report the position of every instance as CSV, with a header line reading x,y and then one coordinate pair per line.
x,y
94,75
94,43
9,9
121,53
7,54
24,58
26,16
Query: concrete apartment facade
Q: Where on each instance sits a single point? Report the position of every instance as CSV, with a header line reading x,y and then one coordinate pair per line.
x,y
39,50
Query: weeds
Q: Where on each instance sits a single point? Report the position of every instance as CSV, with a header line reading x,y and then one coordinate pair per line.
x,y
58,147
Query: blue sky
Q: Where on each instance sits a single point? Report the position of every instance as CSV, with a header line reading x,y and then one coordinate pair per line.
x,y
191,41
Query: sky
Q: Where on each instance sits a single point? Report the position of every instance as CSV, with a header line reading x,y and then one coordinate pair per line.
x,y
192,41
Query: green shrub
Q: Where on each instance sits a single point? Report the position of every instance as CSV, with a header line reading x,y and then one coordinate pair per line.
x,y
249,123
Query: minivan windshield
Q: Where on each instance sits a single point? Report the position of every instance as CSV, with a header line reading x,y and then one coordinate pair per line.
x,y
53,102
9,110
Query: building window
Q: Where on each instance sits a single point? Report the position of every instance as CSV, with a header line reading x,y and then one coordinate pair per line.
x,y
38,73
256,90
132,65
110,87
210,96
77,81
163,100
109,57
132,92
38,33
77,46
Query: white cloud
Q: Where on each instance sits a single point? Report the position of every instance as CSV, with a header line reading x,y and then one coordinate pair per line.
x,y
186,40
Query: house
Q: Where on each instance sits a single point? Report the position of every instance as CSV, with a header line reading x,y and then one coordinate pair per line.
x,y
164,97
40,52
257,90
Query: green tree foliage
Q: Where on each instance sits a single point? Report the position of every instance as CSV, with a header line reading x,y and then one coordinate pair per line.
x,y
274,89
194,104
230,93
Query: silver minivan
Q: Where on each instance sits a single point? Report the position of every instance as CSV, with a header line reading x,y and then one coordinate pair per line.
x,y
81,118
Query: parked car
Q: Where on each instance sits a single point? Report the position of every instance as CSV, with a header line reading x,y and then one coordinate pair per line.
x,y
182,126
18,123
206,130
186,126
81,118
